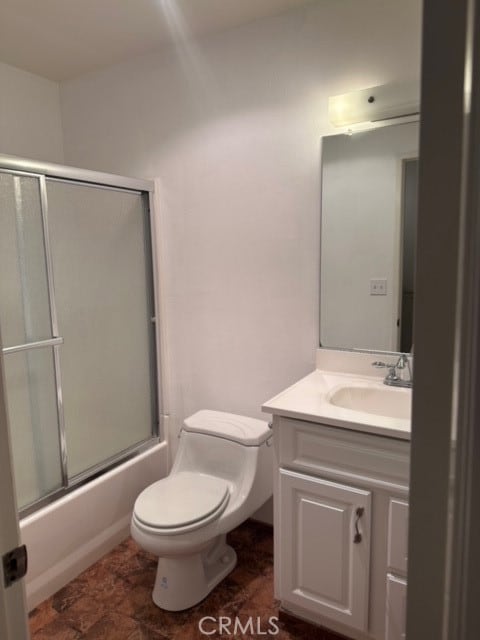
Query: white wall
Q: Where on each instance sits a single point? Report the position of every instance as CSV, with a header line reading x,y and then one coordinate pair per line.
x,y
232,126
30,121
361,235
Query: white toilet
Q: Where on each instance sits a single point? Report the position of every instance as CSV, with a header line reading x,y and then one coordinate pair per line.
x,y
223,473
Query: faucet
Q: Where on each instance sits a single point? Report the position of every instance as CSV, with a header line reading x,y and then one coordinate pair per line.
x,y
399,373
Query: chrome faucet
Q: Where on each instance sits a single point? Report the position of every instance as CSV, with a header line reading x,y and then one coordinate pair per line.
x,y
399,373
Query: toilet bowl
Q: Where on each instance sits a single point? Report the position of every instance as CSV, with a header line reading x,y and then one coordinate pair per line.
x,y
223,473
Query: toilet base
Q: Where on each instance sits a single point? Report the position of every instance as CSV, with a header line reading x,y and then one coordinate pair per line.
x,y
183,581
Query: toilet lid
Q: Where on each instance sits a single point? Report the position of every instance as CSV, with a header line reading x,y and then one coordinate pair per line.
x,y
249,432
180,500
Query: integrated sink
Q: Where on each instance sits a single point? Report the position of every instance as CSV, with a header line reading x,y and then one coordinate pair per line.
x,y
388,402
349,400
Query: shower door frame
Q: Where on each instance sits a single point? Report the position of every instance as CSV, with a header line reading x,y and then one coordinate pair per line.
x,y
43,171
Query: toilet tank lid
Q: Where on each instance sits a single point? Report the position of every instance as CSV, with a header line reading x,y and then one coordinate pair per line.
x,y
247,431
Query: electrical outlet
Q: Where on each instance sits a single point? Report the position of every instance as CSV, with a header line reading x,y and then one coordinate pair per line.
x,y
378,287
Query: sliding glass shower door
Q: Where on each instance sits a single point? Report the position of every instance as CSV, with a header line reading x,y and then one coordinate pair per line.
x,y
98,241
29,339
76,319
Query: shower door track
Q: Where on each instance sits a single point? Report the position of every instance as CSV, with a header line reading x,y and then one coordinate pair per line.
x,y
83,478
44,171
12,164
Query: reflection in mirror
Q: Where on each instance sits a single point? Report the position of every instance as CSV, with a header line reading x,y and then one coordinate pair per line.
x,y
369,210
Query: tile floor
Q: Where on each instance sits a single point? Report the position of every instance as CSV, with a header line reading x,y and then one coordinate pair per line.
x,y
112,599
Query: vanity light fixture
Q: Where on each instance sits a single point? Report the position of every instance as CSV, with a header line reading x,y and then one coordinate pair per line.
x,y
374,104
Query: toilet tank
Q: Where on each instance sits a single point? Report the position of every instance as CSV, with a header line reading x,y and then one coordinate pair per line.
x,y
221,444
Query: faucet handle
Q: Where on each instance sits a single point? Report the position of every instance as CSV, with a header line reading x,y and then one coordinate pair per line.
x,y
383,365
404,368
402,361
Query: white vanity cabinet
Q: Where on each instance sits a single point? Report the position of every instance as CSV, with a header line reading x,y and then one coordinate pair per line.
x,y
341,520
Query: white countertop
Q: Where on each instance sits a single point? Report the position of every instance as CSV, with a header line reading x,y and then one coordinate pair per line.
x,y
307,399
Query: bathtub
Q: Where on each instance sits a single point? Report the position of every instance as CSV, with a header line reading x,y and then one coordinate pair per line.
x,y
72,533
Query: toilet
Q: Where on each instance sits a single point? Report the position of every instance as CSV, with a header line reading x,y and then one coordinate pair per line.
x,y
222,474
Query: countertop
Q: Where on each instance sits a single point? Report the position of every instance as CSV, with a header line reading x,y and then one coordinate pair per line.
x,y
307,400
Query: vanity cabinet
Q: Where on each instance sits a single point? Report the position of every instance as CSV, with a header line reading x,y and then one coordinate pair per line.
x,y
341,523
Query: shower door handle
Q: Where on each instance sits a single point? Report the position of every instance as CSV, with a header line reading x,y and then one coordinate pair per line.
x,y
39,344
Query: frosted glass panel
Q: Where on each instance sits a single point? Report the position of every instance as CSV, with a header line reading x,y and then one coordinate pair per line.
x,y
101,289
31,399
24,302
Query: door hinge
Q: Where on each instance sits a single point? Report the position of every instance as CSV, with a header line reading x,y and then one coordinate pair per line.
x,y
15,565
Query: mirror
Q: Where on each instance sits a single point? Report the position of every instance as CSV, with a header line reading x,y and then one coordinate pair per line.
x,y
368,227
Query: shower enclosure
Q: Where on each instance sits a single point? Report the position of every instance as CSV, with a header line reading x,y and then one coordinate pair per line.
x,y
77,320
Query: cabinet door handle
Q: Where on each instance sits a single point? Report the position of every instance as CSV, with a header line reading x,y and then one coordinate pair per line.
x,y
359,511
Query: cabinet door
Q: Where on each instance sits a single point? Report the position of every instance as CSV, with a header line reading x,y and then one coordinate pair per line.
x,y
324,565
398,536
396,608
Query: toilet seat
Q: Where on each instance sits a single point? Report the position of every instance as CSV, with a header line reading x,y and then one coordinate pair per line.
x,y
181,502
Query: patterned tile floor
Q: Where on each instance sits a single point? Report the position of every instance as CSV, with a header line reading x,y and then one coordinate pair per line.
x,y
112,599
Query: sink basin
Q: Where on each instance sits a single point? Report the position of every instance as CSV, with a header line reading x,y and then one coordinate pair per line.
x,y
391,403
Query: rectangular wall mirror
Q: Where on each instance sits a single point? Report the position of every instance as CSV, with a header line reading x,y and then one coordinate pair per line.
x,y
369,211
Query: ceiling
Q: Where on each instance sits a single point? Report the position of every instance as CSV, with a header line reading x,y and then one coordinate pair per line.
x,y
61,39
